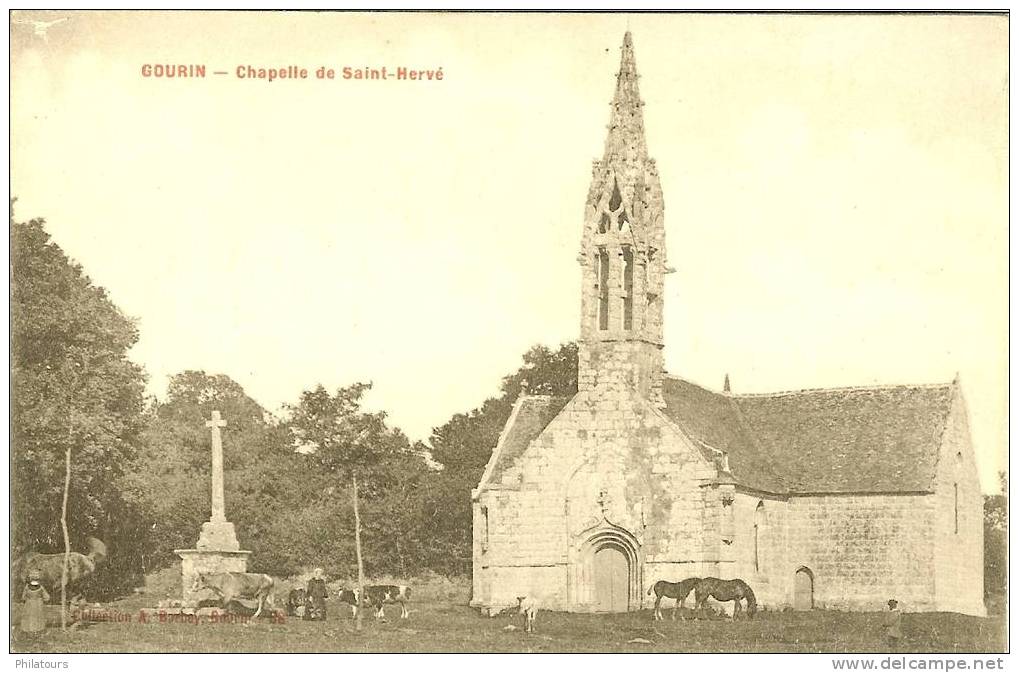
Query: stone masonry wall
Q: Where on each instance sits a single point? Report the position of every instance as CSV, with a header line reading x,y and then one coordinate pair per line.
x,y
770,575
863,549
958,547
620,365
609,463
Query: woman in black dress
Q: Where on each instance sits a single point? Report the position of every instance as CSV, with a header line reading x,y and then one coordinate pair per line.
x,y
315,595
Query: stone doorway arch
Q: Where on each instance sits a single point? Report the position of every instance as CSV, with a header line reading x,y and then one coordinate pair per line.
x,y
610,574
803,589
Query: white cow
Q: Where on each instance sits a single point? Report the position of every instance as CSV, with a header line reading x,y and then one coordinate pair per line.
x,y
528,607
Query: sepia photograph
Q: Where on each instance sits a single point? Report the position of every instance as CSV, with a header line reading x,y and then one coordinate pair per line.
x,y
509,332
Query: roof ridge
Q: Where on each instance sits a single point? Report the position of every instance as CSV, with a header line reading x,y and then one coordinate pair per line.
x,y
698,385
843,389
799,391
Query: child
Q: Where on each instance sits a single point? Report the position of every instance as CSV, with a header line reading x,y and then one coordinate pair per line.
x,y
33,616
893,625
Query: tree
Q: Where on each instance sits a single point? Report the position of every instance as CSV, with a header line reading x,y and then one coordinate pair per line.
x,y
76,406
464,443
996,544
347,442
262,475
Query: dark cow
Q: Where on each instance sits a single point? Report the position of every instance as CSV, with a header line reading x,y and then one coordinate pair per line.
x,y
231,586
50,567
376,596
295,603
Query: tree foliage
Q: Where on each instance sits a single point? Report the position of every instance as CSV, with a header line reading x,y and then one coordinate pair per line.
x,y
72,386
464,443
141,474
996,544
169,478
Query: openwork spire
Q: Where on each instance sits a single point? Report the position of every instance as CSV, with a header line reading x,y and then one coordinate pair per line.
x,y
622,253
625,140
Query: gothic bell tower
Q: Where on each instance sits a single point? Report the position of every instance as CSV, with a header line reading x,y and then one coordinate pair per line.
x,y
622,254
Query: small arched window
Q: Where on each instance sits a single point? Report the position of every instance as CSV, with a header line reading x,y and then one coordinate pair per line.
x,y
758,530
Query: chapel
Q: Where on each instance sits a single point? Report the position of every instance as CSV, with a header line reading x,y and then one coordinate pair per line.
x,y
835,498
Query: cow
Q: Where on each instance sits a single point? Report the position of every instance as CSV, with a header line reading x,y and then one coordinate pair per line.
x,y
376,596
231,586
528,607
296,603
50,566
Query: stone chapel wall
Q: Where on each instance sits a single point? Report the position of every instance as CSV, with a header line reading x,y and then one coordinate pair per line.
x,y
958,542
765,566
864,549
609,460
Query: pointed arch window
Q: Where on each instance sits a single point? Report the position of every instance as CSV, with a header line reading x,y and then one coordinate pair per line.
x,y
603,288
758,526
627,287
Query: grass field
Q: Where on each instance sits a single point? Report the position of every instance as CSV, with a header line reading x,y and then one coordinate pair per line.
x,y
441,622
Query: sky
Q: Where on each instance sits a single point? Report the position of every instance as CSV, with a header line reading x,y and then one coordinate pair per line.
x,y
836,195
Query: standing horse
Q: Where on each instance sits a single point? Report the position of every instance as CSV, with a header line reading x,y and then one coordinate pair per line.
x,y
676,590
726,590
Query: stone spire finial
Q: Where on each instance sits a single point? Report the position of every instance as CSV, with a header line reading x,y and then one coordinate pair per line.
x,y
523,387
626,125
725,386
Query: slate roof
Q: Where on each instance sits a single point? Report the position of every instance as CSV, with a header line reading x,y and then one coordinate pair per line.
x,y
875,440
841,440
534,414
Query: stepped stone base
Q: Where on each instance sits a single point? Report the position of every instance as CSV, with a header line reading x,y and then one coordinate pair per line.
x,y
218,535
202,561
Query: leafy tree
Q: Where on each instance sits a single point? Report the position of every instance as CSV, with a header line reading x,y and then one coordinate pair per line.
x,y
76,400
348,443
996,544
170,476
464,443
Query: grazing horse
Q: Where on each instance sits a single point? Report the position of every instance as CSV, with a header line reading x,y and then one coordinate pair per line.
x,y
676,590
726,590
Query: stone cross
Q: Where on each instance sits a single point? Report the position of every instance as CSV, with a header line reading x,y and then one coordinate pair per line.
x,y
218,506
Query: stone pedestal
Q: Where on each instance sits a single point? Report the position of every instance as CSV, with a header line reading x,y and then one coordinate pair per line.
x,y
218,536
195,561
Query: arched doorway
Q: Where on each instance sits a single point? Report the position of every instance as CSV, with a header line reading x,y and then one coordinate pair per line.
x,y
803,589
607,573
611,579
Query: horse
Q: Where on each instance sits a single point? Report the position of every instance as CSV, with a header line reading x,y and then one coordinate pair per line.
x,y
726,590
677,590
